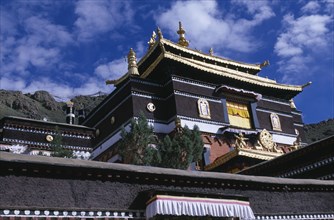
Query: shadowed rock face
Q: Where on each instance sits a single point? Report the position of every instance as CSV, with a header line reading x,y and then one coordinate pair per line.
x,y
41,105
46,100
318,131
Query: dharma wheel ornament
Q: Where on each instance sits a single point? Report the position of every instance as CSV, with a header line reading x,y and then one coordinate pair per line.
x,y
49,138
266,142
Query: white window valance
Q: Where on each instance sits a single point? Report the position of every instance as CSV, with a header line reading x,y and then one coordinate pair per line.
x,y
193,206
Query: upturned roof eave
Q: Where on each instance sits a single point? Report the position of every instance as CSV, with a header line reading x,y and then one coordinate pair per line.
x,y
261,81
211,57
257,154
222,71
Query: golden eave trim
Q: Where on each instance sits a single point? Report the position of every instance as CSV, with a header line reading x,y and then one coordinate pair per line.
x,y
210,57
262,155
117,81
152,66
148,53
222,71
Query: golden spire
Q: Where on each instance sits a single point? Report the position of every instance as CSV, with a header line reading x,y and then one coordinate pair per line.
x,y
132,63
152,40
182,39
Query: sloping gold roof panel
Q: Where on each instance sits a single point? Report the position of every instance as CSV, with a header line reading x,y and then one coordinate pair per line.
x,y
210,57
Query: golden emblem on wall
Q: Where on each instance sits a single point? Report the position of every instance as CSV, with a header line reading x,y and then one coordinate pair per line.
x,y
275,122
203,108
49,138
150,107
266,142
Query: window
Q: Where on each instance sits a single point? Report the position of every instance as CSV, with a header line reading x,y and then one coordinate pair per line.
x,y
238,114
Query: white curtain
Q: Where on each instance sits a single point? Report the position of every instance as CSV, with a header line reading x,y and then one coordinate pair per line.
x,y
191,206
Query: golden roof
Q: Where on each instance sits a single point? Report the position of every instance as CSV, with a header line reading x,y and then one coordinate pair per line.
x,y
220,66
257,154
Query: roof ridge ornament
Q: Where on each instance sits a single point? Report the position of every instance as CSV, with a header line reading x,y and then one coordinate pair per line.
x,y
264,64
211,51
132,63
151,42
182,39
160,34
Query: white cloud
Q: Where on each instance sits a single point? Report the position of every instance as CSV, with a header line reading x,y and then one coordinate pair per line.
x,y
118,67
39,47
112,70
59,90
207,26
49,33
311,7
302,41
98,17
12,83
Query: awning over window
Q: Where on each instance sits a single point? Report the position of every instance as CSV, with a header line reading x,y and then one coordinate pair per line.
x,y
193,206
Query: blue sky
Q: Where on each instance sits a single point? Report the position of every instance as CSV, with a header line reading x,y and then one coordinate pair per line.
x,y
70,48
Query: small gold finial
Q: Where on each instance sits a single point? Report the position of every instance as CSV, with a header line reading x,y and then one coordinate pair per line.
x,y
306,84
265,63
211,51
152,40
69,103
132,63
182,39
292,104
159,34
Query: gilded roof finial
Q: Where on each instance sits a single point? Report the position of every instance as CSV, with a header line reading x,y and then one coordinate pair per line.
x,y
292,104
132,63
211,51
182,39
152,40
265,63
306,84
159,34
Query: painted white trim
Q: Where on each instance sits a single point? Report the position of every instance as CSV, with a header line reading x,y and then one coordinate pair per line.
x,y
274,101
107,99
282,139
176,92
160,127
298,124
308,167
68,213
112,110
278,113
194,83
71,147
109,142
296,113
204,127
296,217
114,158
46,132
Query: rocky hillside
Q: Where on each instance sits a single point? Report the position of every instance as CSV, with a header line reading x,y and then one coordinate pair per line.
x,y
315,132
41,105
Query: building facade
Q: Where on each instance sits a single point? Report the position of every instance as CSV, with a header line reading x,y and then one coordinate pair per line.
x,y
37,137
234,107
